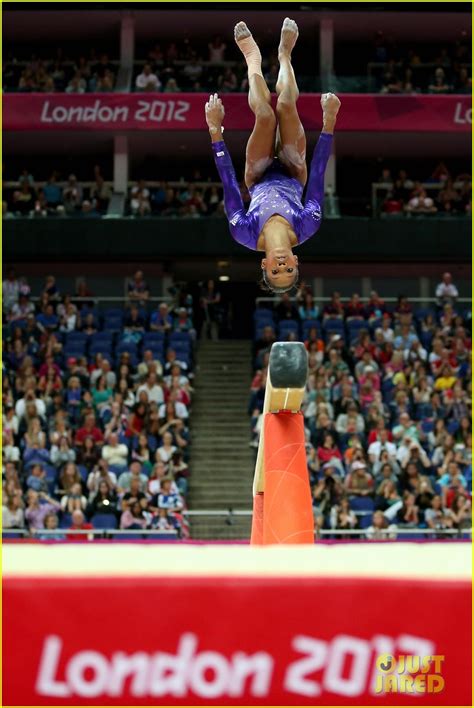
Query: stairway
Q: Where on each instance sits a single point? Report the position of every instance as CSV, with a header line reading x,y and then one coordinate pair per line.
x,y
222,463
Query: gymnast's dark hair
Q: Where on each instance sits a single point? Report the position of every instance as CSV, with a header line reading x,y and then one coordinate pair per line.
x,y
267,287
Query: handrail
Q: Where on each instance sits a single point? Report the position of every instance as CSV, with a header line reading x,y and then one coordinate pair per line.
x,y
110,298
12,184
321,300
144,533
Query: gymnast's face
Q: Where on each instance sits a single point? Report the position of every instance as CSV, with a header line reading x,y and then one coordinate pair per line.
x,y
281,267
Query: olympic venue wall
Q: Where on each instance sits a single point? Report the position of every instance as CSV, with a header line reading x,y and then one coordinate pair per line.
x,y
109,240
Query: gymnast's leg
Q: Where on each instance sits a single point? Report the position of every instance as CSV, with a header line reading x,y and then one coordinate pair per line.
x,y
291,140
261,144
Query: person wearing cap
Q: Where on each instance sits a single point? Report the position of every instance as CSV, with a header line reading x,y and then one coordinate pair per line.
x,y
184,323
359,482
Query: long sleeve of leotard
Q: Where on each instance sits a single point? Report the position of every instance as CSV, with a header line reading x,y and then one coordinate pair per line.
x,y
315,186
233,204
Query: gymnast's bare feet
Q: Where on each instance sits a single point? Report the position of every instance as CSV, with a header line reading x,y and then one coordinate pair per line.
x,y
249,48
330,105
289,35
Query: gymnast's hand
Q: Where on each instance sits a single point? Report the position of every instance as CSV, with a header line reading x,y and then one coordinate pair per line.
x,y
214,113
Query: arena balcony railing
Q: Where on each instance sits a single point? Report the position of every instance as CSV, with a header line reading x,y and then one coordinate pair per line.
x,y
214,521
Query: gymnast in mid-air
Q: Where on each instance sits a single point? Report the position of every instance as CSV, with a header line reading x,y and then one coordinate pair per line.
x,y
275,167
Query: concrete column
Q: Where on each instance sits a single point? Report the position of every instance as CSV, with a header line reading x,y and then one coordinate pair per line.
x,y
425,290
366,284
326,47
330,174
318,288
120,164
127,41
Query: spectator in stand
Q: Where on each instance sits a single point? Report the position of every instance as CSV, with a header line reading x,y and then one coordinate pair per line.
x,y
72,195
380,530
13,515
89,430
153,389
135,472
140,199
147,80
227,82
77,84
39,505
217,50
138,289
354,310
161,320
74,499
359,482
463,82
286,309
79,522
335,307
210,300
307,309
439,83
115,453
420,203
104,501
135,517
375,307
446,291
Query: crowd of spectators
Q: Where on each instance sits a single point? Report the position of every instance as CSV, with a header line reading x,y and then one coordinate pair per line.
x,y
84,74
188,200
57,198
440,193
387,408
95,409
407,69
185,66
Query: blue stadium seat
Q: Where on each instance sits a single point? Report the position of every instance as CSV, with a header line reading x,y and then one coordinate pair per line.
x,y
122,346
104,521
287,326
421,312
75,349
365,520
113,323
83,471
180,337
155,337
333,323
102,337
427,426
127,536
361,504
73,337
307,325
100,348
452,427
65,521
263,315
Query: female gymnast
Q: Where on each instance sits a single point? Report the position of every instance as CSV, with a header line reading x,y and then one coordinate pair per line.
x,y
275,167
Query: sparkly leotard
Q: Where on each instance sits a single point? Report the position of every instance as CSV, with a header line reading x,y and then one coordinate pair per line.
x,y
275,193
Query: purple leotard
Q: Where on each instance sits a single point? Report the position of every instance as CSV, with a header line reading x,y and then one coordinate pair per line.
x,y
275,193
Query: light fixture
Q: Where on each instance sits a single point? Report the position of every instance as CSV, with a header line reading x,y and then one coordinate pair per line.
x,y
224,278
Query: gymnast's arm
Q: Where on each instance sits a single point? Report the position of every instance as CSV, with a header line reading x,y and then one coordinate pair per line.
x,y
233,204
315,187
